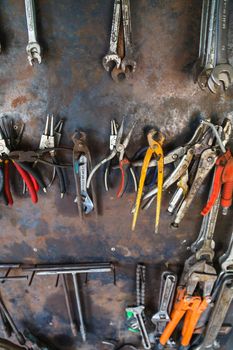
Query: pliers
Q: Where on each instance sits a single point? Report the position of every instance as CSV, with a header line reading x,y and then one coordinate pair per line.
x,y
223,179
155,140
31,178
117,148
48,141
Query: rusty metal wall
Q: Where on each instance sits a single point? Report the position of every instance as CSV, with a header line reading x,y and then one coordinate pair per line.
x,y
72,84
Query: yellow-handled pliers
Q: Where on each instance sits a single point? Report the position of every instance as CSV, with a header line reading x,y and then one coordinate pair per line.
x,y
155,140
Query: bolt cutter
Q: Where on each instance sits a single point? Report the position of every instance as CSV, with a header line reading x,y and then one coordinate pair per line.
x,y
117,148
187,303
155,140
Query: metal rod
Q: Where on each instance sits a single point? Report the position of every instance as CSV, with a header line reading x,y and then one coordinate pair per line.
x,y
79,307
69,307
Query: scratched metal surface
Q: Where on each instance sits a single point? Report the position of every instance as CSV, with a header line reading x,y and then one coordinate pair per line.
x,y
72,84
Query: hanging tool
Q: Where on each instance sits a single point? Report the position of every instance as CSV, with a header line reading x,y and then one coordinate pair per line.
x,y
135,315
193,162
117,148
33,48
82,165
167,291
223,181
120,57
155,140
194,292
48,141
29,175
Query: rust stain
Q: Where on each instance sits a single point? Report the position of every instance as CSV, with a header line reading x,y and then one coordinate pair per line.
x,y
18,101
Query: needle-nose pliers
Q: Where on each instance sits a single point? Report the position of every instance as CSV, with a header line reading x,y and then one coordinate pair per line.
x,y
47,141
117,148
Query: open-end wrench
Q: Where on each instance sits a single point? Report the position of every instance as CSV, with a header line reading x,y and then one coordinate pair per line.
x,y
207,228
206,250
217,317
138,315
112,55
209,48
128,62
33,48
161,318
222,74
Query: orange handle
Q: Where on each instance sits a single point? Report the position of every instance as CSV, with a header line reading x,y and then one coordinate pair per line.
x,y
227,194
193,315
181,307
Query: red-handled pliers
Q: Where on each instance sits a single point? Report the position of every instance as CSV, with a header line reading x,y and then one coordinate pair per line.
x,y
117,148
223,181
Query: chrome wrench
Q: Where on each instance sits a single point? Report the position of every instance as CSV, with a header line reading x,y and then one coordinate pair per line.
x,y
112,55
33,48
128,63
87,203
138,315
223,72
161,318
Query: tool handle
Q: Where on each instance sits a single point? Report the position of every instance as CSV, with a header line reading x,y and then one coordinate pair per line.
x,y
60,175
217,183
35,183
25,176
193,316
7,183
124,166
227,194
36,178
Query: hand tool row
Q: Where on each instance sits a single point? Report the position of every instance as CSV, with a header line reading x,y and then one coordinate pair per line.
x,y
187,167
28,163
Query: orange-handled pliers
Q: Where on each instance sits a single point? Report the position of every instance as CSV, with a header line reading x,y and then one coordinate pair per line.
x,y
155,140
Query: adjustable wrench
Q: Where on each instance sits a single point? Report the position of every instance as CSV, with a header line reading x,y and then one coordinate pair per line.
x,y
33,49
138,315
161,318
87,203
112,55
128,62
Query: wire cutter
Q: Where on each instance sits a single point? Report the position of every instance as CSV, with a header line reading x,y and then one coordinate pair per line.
x,y
117,148
48,141
155,140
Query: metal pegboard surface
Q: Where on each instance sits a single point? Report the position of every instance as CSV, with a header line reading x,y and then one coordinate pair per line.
x,y
72,84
